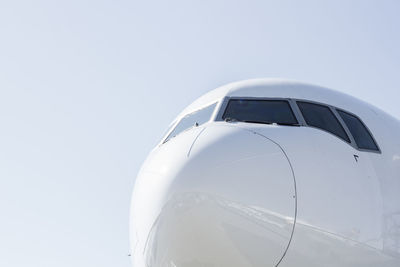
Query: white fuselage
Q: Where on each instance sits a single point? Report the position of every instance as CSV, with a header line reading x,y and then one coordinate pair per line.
x,y
232,193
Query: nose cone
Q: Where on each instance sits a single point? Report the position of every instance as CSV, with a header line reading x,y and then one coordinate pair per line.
x,y
215,196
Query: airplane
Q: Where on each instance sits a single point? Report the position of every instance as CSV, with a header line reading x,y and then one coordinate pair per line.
x,y
270,172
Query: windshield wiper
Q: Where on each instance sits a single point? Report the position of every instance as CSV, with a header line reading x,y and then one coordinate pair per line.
x,y
230,120
261,122
267,122
287,123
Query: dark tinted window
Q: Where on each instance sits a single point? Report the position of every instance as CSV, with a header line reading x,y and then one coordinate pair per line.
x,y
322,117
193,119
360,133
260,111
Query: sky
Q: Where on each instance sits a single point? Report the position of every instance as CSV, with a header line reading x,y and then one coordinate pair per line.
x,y
87,88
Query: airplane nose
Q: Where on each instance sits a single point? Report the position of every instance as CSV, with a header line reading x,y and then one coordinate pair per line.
x,y
215,196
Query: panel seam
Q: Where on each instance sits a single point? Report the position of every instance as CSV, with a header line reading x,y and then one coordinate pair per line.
x,y
194,141
295,192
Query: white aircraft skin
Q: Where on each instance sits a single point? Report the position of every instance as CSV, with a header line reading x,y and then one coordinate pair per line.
x,y
230,193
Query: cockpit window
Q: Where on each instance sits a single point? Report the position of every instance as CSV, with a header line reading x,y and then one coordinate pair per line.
x,y
362,136
194,119
322,117
260,111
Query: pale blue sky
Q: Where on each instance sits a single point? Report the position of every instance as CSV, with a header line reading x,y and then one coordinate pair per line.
x,y
88,87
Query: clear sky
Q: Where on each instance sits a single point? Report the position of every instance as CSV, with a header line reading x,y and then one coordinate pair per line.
x,y
88,87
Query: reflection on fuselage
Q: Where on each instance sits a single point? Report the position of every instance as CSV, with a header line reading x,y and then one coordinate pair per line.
x,y
237,235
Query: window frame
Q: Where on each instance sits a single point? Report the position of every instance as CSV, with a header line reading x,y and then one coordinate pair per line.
x,y
224,106
176,122
335,115
225,101
344,125
366,127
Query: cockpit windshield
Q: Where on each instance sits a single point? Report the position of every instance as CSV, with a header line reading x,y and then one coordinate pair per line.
x,y
260,111
193,119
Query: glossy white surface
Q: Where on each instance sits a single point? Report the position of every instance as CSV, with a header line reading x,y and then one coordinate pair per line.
x,y
231,194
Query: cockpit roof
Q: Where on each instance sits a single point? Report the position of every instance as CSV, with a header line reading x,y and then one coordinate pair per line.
x,y
281,88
